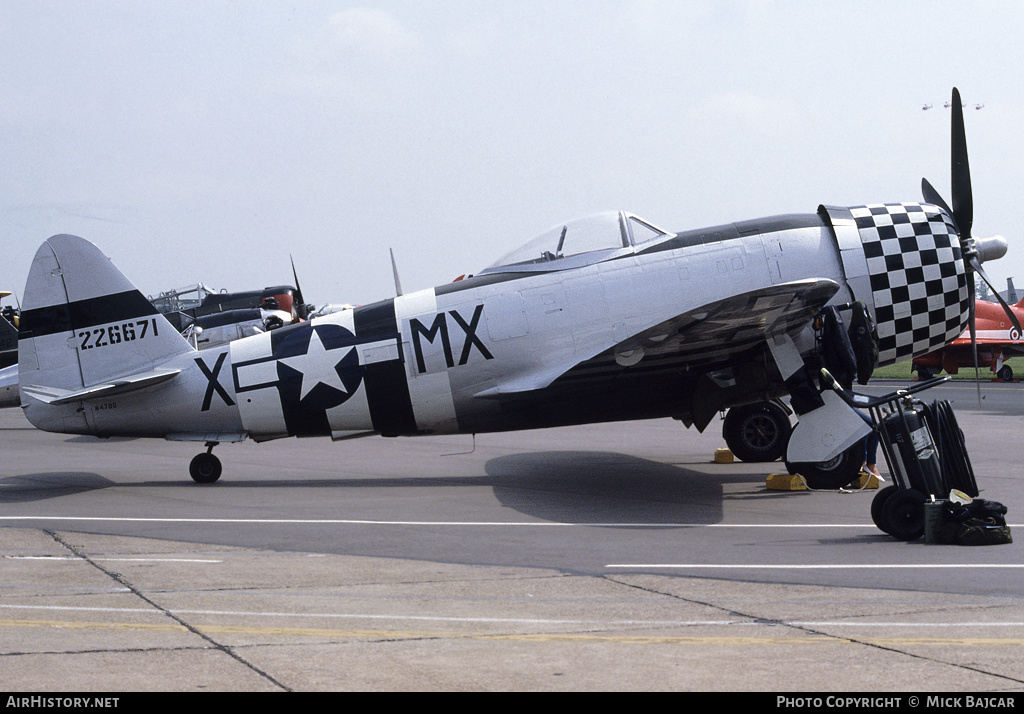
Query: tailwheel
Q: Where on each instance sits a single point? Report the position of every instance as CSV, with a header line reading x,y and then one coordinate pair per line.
x,y
205,467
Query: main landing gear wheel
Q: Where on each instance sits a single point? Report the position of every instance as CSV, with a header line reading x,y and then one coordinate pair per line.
x,y
1005,373
834,473
205,467
757,432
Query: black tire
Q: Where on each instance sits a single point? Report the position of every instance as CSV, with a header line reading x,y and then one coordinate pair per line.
x,y
1005,373
205,468
757,432
903,515
834,473
878,503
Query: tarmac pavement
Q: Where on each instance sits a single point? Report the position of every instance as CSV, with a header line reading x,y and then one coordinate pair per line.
x,y
93,613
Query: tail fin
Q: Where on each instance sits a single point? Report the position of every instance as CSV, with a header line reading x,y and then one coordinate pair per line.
x,y
1011,294
84,324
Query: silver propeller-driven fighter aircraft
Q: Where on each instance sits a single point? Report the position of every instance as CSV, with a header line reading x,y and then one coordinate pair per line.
x,y
598,319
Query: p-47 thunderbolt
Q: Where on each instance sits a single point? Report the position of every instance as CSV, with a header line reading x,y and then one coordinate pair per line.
x,y
598,319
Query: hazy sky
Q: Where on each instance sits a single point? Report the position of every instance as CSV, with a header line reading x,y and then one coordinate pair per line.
x,y
206,140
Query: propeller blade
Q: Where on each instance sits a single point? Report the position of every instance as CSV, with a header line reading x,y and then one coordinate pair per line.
x,y
933,197
394,269
963,216
298,290
976,265
963,199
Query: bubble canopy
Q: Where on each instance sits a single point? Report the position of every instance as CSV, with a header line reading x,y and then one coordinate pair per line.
x,y
609,231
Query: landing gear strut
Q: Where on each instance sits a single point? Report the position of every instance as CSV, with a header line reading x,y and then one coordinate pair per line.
x,y
205,467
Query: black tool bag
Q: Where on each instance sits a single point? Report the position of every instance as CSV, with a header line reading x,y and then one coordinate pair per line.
x,y
980,522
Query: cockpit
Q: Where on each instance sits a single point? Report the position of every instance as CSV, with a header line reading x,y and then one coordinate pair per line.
x,y
580,242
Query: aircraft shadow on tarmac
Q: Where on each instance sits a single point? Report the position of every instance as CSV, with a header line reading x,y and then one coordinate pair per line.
x,y
43,486
601,487
558,486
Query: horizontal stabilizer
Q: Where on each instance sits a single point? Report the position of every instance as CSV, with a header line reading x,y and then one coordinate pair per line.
x,y
122,385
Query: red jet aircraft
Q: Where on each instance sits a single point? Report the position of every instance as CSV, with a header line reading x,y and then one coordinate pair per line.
x,y
997,339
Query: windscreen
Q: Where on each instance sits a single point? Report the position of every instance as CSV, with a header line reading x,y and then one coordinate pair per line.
x,y
597,232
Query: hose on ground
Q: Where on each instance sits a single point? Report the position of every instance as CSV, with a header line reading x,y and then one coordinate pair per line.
x,y
949,441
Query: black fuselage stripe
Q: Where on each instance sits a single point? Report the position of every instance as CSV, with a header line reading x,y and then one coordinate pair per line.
x,y
83,314
387,389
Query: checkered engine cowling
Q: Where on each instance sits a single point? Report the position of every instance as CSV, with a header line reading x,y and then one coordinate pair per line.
x,y
917,276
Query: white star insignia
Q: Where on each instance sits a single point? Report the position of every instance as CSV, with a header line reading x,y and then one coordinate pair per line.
x,y
317,366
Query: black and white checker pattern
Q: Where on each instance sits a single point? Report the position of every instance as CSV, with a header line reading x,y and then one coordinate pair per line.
x,y
918,279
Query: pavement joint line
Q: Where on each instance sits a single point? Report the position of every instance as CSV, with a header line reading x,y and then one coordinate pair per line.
x,y
227,650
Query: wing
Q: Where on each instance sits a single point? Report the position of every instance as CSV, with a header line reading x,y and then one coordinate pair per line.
x,y
734,325
701,337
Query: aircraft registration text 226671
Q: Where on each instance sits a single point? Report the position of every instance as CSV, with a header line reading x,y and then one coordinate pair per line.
x,y
116,334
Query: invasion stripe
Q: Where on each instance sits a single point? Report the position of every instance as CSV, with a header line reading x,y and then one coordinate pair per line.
x,y
387,391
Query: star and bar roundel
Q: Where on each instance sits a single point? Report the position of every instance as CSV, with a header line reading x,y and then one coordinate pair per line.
x,y
326,376
317,367
313,368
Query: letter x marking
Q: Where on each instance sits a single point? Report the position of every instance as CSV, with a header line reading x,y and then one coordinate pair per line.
x,y
214,385
471,338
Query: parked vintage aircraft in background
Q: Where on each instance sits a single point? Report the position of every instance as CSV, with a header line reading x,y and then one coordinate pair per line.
x,y
8,355
209,318
997,340
8,334
603,318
